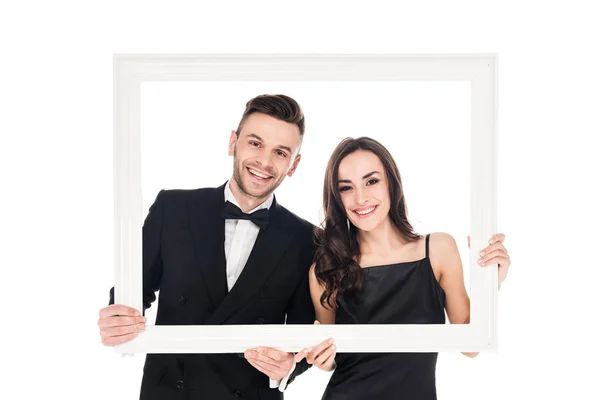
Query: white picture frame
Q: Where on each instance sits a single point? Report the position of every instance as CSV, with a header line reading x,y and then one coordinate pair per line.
x,y
131,71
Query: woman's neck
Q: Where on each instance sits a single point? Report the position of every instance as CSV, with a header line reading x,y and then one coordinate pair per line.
x,y
381,240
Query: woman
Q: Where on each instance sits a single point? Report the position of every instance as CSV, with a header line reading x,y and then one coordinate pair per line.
x,y
372,268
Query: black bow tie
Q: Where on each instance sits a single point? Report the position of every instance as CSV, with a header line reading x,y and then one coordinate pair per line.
x,y
259,218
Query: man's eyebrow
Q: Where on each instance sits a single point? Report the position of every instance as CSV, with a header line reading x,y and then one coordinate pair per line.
x,y
285,148
255,136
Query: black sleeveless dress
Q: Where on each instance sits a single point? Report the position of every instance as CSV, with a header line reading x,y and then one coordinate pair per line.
x,y
401,293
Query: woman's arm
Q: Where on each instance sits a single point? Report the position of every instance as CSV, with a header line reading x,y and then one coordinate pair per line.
x,y
444,257
323,315
322,355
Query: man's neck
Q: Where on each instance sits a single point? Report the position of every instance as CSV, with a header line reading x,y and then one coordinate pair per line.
x,y
245,202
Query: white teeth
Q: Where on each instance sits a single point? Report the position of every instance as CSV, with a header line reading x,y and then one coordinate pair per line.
x,y
365,211
258,174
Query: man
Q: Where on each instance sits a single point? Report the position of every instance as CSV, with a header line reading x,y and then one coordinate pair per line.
x,y
214,265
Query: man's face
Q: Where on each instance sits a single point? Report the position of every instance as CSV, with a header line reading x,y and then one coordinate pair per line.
x,y
263,154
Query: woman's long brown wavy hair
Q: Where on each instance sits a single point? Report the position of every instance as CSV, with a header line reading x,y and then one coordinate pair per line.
x,y
336,266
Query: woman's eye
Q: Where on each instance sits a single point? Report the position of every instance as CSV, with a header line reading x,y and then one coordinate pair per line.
x,y
344,188
372,181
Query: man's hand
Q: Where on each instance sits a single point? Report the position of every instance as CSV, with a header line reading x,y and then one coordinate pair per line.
x,y
119,324
276,364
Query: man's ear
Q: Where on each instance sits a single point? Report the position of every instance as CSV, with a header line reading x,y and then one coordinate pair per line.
x,y
232,142
294,165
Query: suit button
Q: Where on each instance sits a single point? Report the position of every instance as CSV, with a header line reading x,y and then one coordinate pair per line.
x,y
179,384
237,393
260,320
182,299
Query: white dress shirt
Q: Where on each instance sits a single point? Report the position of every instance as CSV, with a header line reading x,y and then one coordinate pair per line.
x,y
240,236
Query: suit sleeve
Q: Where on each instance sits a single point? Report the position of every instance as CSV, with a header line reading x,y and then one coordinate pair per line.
x,y
151,252
300,309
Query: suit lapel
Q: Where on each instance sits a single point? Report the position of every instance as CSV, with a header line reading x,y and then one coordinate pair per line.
x,y
208,231
270,246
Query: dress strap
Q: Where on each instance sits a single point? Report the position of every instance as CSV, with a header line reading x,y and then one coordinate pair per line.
x,y
427,246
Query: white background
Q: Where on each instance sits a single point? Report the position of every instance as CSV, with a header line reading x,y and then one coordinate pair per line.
x,y
56,174
426,125
186,126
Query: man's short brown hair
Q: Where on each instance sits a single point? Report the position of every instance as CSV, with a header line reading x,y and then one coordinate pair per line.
x,y
278,106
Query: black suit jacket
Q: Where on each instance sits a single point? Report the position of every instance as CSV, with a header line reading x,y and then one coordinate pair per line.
x,y
184,258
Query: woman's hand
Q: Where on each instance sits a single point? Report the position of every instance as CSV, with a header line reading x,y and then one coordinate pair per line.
x,y
323,355
495,253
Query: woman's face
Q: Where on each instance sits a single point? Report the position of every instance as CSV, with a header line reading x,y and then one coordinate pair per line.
x,y
363,187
